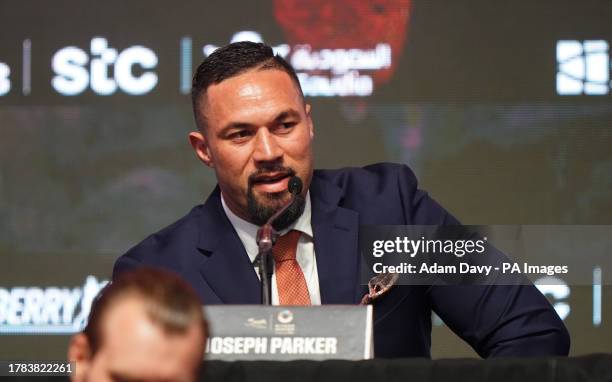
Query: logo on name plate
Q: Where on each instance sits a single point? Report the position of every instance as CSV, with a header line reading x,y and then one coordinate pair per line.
x,y
285,316
256,323
284,323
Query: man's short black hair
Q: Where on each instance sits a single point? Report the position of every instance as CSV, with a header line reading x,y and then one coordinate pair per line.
x,y
230,61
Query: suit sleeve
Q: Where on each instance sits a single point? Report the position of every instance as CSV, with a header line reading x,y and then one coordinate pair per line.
x,y
124,264
496,320
136,257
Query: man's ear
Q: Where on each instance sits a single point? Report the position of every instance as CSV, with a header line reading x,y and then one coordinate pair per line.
x,y
79,352
308,108
200,145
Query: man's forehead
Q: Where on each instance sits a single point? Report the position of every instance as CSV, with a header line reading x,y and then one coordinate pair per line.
x,y
250,90
254,97
128,328
127,314
253,85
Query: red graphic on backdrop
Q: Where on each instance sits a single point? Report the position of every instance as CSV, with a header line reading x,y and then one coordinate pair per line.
x,y
346,24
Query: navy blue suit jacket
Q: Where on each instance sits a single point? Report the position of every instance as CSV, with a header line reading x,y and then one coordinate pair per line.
x,y
495,320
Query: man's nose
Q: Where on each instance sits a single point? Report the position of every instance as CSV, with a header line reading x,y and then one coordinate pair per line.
x,y
266,147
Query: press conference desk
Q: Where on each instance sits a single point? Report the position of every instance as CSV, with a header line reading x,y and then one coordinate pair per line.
x,y
596,367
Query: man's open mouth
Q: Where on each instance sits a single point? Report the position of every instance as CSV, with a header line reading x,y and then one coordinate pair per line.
x,y
273,178
272,182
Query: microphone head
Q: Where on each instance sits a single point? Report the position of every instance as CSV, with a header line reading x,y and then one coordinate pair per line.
x,y
295,185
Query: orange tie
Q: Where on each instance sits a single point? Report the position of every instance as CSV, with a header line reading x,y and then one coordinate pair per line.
x,y
290,281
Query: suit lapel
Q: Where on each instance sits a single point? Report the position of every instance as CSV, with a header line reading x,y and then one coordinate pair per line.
x,y
225,265
336,232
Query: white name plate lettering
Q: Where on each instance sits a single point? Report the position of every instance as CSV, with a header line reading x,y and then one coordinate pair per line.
x,y
256,332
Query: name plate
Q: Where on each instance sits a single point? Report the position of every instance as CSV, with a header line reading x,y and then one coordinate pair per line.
x,y
257,332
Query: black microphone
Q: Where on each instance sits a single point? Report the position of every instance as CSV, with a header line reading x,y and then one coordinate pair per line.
x,y
267,235
295,185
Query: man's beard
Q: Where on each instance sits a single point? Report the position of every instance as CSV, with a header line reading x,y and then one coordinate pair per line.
x,y
260,214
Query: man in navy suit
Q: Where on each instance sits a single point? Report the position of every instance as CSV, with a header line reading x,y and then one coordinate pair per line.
x,y
255,132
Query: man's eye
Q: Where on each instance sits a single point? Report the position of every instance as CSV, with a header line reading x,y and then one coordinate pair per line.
x,y
240,134
288,125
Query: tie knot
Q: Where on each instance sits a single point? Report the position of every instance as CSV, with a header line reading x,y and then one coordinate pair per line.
x,y
285,246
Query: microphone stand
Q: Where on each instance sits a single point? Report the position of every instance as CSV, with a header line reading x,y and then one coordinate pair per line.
x,y
266,237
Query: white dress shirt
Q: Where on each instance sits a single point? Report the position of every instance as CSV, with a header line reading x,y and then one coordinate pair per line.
x,y
305,254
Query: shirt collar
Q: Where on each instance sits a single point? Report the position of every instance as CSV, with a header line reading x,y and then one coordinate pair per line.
x,y
247,231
